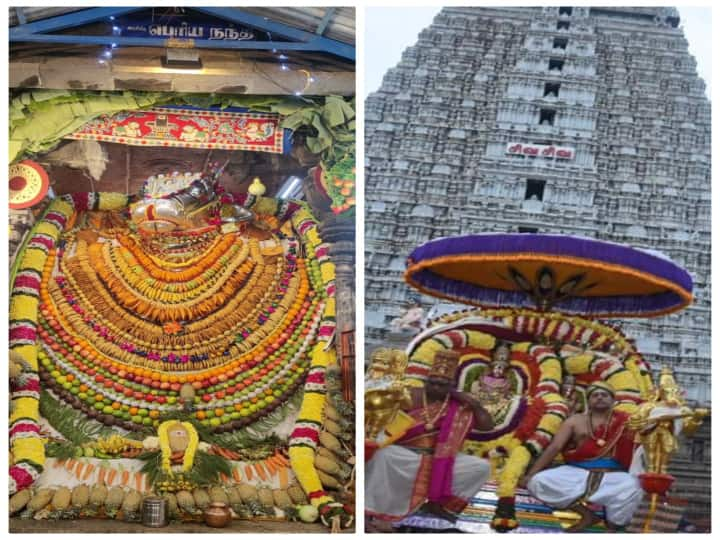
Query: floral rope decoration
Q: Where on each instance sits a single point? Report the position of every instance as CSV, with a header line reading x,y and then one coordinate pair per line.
x,y
592,365
549,410
550,326
25,441
306,433
422,357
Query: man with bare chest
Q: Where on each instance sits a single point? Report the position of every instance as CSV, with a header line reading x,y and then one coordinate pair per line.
x,y
597,447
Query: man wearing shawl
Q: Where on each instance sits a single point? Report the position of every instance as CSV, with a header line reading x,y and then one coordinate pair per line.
x,y
425,468
597,448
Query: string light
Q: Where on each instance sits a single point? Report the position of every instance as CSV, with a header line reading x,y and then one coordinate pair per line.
x,y
309,79
283,59
107,52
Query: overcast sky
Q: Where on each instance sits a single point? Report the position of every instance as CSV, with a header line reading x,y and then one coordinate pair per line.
x,y
389,31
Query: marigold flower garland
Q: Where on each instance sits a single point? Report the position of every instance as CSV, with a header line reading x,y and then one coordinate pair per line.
x,y
28,448
305,436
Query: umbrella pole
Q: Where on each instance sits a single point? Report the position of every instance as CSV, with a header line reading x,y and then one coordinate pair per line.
x,y
651,512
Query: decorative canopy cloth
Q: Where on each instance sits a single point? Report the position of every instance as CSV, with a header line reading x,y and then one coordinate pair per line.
x,y
564,273
189,128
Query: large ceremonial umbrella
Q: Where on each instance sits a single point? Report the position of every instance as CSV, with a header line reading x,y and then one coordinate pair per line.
x,y
567,274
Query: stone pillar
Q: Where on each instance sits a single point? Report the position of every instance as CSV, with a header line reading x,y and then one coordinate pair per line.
x,y
339,234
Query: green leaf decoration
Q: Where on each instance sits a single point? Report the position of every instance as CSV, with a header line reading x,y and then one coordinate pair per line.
x,y
77,428
255,435
205,471
60,450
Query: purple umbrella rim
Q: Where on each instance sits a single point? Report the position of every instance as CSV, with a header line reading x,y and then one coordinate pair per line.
x,y
593,250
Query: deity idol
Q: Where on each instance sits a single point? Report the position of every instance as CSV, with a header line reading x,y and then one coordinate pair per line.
x,y
494,388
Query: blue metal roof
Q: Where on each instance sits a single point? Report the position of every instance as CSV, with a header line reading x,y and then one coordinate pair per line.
x,y
284,36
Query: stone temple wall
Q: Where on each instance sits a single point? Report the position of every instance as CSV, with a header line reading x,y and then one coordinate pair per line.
x,y
614,91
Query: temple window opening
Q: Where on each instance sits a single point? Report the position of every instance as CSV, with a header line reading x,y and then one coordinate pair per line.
x,y
534,189
555,64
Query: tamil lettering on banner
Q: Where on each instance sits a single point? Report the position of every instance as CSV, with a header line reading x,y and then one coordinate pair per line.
x,y
539,150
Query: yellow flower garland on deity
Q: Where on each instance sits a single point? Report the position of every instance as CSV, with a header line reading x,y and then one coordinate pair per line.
x,y
628,385
643,378
423,355
550,422
166,452
515,467
510,316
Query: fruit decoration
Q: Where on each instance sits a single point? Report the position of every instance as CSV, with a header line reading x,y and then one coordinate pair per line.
x,y
126,334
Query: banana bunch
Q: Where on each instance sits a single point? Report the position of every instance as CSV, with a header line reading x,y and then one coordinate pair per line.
x,y
174,485
115,444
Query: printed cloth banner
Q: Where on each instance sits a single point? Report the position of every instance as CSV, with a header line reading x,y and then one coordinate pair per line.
x,y
188,128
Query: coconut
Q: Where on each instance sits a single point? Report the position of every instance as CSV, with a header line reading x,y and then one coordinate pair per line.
x,y
178,438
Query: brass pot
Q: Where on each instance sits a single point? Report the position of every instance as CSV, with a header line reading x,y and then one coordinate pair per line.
x,y
217,515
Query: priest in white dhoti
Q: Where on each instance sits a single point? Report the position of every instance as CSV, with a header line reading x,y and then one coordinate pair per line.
x,y
597,448
425,467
